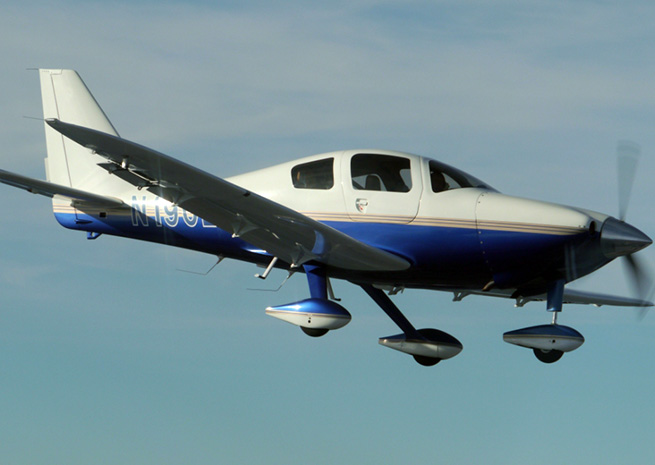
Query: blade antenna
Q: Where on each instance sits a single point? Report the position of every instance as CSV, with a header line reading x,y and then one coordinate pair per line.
x,y
331,291
290,273
220,259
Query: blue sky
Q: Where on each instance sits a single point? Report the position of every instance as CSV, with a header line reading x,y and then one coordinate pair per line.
x,y
109,355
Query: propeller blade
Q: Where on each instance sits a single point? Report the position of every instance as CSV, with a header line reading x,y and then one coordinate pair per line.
x,y
640,280
627,159
644,310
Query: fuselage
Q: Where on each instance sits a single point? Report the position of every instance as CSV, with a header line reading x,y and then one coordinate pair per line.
x,y
456,231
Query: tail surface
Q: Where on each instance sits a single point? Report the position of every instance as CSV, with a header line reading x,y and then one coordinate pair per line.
x,y
66,97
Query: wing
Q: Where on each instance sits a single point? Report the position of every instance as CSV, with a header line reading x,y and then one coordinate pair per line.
x,y
581,297
76,196
279,230
571,296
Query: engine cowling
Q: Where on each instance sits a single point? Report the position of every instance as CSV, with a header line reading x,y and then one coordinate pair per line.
x,y
546,337
316,315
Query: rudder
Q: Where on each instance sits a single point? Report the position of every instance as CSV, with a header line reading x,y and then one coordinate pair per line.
x,y
66,97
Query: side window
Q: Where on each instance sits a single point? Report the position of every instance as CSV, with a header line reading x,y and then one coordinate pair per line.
x,y
388,173
440,180
444,177
314,175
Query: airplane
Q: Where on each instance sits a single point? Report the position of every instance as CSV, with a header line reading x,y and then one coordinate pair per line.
x,y
382,220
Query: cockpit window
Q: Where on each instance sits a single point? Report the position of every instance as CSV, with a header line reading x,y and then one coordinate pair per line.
x,y
314,175
372,172
444,177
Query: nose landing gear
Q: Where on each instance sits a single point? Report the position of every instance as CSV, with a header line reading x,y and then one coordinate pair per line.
x,y
548,342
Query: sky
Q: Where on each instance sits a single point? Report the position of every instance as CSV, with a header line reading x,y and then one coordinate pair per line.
x,y
110,354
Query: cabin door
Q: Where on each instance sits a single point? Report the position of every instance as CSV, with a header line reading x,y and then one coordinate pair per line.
x,y
381,188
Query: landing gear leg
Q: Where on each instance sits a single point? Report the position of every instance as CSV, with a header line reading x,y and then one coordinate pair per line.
x,y
391,310
555,299
555,302
317,280
318,289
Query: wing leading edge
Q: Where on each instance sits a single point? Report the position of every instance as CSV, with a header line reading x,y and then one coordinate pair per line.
x,y
571,296
281,231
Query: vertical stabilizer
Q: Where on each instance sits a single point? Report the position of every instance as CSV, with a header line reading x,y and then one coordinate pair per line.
x,y
66,97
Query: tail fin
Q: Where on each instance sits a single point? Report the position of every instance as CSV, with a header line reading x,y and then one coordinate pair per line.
x,y
66,97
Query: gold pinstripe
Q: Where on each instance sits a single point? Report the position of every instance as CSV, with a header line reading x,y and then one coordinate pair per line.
x,y
509,226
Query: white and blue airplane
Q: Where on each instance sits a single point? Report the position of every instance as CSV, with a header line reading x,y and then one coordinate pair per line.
x,y
385,221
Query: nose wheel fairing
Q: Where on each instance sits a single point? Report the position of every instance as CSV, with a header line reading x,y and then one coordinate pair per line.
x,y
548,342
546,338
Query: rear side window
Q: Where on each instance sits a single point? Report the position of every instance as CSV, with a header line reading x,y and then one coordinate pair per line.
x,y
373,172
314,175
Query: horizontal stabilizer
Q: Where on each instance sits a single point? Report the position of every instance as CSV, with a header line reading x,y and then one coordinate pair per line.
x,y
37,186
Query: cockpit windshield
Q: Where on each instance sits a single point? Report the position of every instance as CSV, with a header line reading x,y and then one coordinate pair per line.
x,y
444,177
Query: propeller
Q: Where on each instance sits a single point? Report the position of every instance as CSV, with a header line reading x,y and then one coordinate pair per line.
x,y
627,158
639,278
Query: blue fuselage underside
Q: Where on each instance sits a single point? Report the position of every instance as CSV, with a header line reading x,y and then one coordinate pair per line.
x,y
447,257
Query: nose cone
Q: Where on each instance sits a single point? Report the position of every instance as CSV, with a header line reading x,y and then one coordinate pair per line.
x,y
618,238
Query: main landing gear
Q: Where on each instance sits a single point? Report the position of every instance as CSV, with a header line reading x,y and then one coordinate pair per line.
x,y
318,315
428,346
548,342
